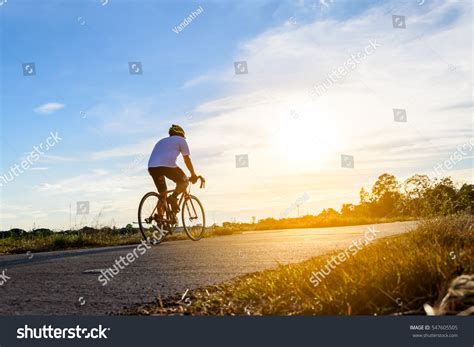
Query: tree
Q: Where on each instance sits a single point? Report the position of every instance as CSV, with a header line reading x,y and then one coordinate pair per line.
x,y
329,212
465,198
440,199
415,188
386,183
364,196
42,232
347,209
16,233
386,197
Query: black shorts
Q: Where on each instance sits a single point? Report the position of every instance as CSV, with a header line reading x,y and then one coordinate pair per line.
x,y
173,173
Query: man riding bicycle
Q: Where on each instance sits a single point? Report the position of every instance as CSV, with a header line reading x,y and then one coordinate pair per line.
x,y
162,163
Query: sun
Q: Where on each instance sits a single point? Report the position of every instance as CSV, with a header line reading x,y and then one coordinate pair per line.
x,y
306,135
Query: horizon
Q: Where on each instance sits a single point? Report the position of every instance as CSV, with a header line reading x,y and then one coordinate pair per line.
x,y
287,214
288,105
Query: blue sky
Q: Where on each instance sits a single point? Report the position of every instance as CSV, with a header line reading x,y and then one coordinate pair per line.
x,y
108,119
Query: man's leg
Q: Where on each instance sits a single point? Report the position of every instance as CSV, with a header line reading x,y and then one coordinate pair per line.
x,y
159,179
179,177
158,175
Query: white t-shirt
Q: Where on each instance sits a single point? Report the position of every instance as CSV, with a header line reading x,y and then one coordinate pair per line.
x,y
167,150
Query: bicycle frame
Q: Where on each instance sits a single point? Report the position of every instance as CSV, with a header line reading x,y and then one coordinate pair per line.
x,y
182,197
168,210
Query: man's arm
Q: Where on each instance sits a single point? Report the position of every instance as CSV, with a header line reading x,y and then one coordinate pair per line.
x,y
189,165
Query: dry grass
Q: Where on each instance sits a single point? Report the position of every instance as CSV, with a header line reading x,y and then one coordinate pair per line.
x,y
57,242
389,276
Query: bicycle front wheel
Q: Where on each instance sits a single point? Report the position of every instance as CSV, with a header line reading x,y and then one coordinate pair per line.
x,y
193,217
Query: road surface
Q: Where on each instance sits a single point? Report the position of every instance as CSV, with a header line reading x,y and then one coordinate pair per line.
x,y
62,283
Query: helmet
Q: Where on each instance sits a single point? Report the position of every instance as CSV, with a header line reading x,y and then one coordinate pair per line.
x,y
176,130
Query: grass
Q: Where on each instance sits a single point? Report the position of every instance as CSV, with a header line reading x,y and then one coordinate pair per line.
x,y
57,242
395,275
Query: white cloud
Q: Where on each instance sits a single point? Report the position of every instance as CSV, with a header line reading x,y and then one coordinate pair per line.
x,y
127,150
325,3
48,158
49,107
196,81
123,116
93,183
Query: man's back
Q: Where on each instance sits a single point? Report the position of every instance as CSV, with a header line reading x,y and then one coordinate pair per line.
x,y
167,150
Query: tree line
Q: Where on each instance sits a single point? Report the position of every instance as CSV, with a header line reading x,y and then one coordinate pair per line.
x,y
388,200
417,196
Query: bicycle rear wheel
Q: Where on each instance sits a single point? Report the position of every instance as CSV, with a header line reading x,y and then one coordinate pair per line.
x,y
150,219
193,217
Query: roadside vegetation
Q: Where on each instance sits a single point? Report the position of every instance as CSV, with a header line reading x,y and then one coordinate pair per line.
x,y
42,240
387,201
395,275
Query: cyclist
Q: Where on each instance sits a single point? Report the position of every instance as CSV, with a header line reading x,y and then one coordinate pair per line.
x,y
162,163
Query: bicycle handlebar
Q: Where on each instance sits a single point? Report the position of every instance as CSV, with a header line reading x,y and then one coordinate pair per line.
x,y
203,181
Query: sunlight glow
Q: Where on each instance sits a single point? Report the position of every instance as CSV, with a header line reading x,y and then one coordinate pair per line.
x,y
306,135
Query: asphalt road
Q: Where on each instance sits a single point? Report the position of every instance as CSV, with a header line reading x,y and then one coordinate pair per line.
x,y
61,283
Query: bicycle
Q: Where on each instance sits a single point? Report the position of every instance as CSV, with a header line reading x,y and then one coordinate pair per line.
x,y
157,217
